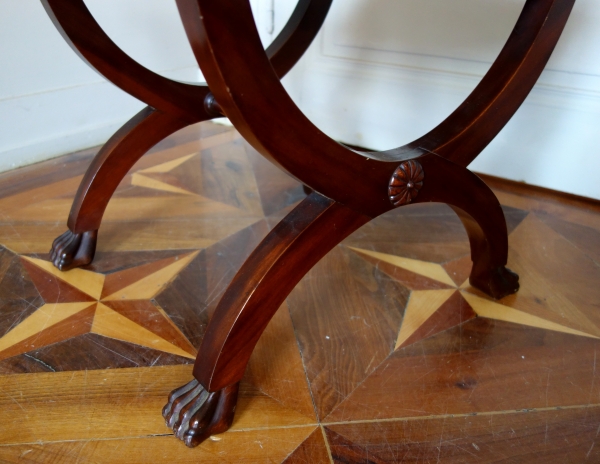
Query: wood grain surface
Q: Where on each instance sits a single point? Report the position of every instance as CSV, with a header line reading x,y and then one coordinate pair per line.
x,y
382,353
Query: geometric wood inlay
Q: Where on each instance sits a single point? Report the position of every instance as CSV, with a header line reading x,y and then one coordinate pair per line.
x,y
492,310
87,281
44,327
148,286
518,380
52,289
443,315
140,180
111,324
421,306
431,270
168,165
73,307
432,311
147,315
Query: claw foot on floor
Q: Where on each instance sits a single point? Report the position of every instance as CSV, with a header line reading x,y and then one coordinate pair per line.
x,y
195,414
498,282
73,250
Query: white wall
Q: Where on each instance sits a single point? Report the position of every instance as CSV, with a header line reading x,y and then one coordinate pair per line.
x,y
50,101
384,72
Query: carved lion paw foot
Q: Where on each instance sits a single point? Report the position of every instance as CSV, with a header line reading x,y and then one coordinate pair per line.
x,y
195,414
498,283
73,250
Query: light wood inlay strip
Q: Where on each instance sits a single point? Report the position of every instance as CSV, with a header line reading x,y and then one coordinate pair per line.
x,y
87,281
169,165
492,310
111,324
431,270
44,318
421,305
149,286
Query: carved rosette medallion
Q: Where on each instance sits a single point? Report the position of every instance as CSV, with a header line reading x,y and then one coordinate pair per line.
x,y
406,182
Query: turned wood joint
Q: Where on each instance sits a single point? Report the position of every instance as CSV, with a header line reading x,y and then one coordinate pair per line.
x,y
211,105
406,182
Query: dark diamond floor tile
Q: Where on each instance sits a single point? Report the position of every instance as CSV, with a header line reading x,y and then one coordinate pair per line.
x,y
481,365
432,237
228,177
313,450
13,312
23,364
91,351
513,216
16,284
192,296
344,451
225,258
556,436
587,239
184,300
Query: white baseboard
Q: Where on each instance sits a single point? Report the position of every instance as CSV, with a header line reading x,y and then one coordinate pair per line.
x,y
54,123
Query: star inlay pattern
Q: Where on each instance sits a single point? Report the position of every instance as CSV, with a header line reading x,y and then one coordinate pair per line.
x,y
441,297
384,343
117,305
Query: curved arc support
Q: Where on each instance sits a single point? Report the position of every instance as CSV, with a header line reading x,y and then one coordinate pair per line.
x,y
460,138
298,33
299,148
313,228
475,123
85,36
273,269
112,163
177,105
251,95
335,161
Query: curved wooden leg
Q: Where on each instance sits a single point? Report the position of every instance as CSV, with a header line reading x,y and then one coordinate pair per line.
x,y
489,273
172,106
482,216
290,250
297,35
76,247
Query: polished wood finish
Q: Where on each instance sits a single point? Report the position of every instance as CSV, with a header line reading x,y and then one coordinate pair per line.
x,y
383,349
269,274
171,106
349,187
514,437
195,414
231,68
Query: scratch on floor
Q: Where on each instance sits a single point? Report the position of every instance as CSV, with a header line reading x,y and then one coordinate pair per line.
x,y
590,451
40,361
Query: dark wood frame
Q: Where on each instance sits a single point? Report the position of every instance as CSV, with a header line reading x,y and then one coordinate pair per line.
x,y
171,106
349,187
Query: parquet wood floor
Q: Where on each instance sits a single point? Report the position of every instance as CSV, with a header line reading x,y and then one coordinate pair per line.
x,y
383,353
